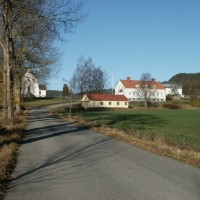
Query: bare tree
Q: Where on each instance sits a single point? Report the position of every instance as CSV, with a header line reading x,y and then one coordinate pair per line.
x,y
53,17
87,77
146,88
99,79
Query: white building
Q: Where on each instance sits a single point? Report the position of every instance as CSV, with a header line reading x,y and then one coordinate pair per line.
x,y
173,89
131,89
104,100
32,86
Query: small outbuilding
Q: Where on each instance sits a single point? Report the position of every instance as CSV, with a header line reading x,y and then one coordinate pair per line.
x,y
104,100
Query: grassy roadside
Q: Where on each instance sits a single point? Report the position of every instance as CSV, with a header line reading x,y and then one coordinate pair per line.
x,y
173,133
9,144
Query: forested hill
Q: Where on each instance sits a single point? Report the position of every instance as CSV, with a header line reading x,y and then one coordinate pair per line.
x,y
190,82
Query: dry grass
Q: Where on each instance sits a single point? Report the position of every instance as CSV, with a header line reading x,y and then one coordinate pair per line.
x,y
152,143
9,143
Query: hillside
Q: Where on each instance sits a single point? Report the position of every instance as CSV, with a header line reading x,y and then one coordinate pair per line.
x,y
190,83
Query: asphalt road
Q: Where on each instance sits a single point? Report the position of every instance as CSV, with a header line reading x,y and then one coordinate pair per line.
x,y
62,161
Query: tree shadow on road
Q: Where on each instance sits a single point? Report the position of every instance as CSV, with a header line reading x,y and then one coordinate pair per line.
x,y
76,149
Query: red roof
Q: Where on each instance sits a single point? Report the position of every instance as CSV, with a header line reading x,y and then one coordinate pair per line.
x,y
106,97
132,84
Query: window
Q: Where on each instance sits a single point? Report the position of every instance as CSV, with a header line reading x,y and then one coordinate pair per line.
x,y
157,93
125,103
118,103
101,103
110,103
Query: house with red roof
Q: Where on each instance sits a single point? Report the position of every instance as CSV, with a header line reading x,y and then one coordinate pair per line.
x,y
131,89
104,100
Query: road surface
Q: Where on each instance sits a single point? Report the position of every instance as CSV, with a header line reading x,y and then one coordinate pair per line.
x,y
62,161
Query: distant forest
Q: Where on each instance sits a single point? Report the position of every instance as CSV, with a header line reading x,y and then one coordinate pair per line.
x,y
190,83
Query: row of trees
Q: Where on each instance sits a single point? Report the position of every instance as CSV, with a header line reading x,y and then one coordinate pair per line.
x,y
27,31
87,77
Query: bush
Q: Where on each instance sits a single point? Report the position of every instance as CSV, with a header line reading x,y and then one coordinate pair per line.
x,y
169,97
171,106
195,103
152,104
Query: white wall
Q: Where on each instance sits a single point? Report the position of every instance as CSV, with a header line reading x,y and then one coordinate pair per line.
x,y
119,89
169,91
29,81
133,94
105,104
43,93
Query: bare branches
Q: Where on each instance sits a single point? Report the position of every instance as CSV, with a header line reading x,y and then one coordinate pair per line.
x,y
146,88
28,29
87,77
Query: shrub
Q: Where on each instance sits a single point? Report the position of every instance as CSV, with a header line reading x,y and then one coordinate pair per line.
x,y
169,97
171,106
152,104
195,103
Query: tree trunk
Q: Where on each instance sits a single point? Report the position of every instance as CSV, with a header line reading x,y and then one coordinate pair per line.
x,y
5,110
9,54
17,95
145,103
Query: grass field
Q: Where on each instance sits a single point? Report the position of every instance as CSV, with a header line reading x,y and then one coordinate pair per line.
x,y
177,127
46,102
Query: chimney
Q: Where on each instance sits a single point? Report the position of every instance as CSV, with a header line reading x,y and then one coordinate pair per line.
x,y
129,78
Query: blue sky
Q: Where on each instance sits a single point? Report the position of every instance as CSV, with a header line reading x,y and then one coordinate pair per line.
x,y
132,37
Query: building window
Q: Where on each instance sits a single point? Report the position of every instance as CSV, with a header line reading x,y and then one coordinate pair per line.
x,y
125,103
157,93
110,103
101,103
118,103
129,99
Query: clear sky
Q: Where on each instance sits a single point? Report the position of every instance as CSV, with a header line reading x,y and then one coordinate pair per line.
x,y
132,37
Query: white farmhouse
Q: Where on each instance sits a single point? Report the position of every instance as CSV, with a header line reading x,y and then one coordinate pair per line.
x,y
104,100
173,89
32,86
130,89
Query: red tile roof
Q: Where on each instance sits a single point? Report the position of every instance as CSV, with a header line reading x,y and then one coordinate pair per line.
x,y
132,84
106,97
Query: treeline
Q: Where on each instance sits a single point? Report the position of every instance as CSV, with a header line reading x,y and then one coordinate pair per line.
x,y
190,83
27,31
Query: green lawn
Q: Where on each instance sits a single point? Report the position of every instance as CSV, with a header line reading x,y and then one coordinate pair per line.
x,y
178,127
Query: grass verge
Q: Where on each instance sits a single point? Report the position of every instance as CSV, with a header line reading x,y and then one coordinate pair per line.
x,y
47,102
173,133
9,144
